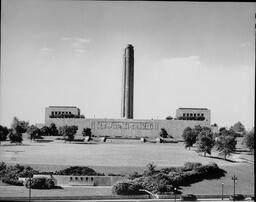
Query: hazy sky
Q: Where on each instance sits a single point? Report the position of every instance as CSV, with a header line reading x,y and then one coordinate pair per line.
x,y
70,53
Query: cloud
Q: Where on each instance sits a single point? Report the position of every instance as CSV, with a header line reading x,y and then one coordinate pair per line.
x,y
46,50
65,38
245,45
78,43
80,50
83,40
184,62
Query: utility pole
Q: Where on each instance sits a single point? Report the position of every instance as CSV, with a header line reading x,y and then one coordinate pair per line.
x,y
175,194
234,178
222,190
29,190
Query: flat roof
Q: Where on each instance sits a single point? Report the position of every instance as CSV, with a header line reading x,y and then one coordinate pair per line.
x,y
62,107
195,108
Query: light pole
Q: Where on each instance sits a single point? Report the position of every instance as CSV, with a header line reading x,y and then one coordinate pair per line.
x,y
175,194
234,178
29,190
222,190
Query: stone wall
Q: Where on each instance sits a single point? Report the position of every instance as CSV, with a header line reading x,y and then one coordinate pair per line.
x,y
129,127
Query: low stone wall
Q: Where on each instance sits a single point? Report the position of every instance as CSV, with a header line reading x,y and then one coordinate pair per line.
x,y
130,128
68,180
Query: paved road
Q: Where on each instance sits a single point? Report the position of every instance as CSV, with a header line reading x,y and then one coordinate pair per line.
x,y
140,200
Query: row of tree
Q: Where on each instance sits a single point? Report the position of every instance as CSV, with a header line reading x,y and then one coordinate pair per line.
x,y
67,116
224,141
19,127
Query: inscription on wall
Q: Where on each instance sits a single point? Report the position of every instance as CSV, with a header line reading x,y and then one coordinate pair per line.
x,y
102,125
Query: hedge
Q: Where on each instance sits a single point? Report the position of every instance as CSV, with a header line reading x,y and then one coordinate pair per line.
x,y
12,181
40,183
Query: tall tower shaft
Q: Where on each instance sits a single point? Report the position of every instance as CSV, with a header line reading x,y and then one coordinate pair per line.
x,y
127,83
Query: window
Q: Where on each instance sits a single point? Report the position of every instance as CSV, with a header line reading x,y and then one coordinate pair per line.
x,y
76,178
52,113
81,178
184,114
91,178
194,114
71,178
69,112
202,114
198,114
86,178
187,114
191,114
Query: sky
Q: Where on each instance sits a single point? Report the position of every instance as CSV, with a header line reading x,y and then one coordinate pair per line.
x,y
61,52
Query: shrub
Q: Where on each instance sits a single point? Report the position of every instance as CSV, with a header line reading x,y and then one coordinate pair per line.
x,y
12,181
87,132
40,183
15,137
127,188
192,165
157,183
210,171
163,133
188,197
238,197
134,175
2,169
77,170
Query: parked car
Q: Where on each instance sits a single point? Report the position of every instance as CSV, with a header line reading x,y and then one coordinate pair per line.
x,y
188,197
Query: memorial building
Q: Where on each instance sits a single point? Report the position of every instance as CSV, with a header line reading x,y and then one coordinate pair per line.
x,y
126,126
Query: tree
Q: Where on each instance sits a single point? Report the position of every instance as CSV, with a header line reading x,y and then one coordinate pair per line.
x,y
238,128
225,144
53,130
189,137
15,137
19,126
3,133
205,142
163,133
45,131
226,132
168,118
87,132
151,169
68,132
34,132
249,140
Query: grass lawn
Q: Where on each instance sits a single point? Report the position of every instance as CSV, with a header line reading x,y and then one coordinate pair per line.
x,y
124,158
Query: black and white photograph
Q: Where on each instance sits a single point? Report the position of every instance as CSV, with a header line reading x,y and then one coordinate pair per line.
x,y
127,101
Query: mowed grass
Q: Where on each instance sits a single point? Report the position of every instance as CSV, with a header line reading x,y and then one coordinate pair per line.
x,y
103,154
125,158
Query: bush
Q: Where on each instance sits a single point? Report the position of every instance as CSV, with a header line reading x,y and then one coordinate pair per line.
x,y
238,197
40,183
192,165
15,137
77,170
188,197
12,181
210,171
163,133
134,175
157,183
127,188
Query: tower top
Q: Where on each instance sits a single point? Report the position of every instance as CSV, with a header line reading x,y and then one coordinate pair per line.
x,y
129,46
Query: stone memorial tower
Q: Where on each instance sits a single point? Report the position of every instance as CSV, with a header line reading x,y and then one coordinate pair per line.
x,y
127,83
